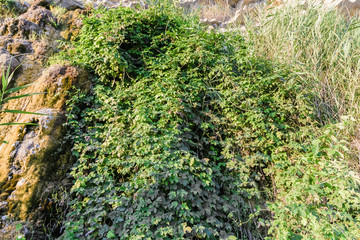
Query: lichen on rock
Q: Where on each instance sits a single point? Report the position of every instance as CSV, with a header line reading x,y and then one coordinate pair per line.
x,y
32,150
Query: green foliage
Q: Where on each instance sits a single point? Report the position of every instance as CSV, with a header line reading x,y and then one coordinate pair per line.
x,y
18,229
177,148
186,135
114,44
320,196
5,91
317,192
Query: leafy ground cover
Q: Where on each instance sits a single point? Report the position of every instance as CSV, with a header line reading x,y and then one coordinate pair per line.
x,y
187,134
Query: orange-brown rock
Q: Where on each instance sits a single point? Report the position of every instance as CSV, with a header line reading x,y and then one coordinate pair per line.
x,y
35,158
72,20
39,15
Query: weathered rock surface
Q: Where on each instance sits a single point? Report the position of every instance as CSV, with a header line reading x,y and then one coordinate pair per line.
x,y
351,6
7,61
73,20
240,8
68,4
35,160
27,40
39,15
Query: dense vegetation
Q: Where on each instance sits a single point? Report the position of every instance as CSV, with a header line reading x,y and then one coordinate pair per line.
x,y
321,44
188,134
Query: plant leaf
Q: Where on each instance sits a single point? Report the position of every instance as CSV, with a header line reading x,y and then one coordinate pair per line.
x,y
9,124
23,112
21,96
12,90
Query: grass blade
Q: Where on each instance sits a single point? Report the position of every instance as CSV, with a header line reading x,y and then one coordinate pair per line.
x,y
12,90
4,82
10,124
23,112
20,96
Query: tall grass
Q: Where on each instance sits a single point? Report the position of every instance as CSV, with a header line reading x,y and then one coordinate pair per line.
x,y
7,9
5,91
322,45
219,10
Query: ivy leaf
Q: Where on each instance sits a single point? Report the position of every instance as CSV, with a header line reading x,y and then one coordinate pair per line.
x,y
111,235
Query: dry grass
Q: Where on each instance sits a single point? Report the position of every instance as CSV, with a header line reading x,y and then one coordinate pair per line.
x,y
219,10
6,10
323,46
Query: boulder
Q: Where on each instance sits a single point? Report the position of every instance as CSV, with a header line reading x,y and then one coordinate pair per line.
x,y
20,6
72,19
18,28
6,61
242,3
189,4
350,6
42,3
36,159
69,4
14,6
39,15
19,46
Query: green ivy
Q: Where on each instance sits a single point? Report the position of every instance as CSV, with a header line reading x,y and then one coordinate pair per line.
x,y
320,195
186,135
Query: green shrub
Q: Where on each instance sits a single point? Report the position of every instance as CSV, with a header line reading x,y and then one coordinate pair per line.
x,y
320,195
115,45
186,135
177,148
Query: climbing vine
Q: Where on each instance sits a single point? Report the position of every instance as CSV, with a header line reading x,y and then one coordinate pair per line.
x,y
185,134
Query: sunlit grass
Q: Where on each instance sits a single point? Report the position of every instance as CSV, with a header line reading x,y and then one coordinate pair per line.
x,y
321,44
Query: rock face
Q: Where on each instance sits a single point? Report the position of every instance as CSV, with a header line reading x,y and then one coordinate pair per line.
x,y
35,160
67,4
240,8
241,3
73,20
7,61
20,39
351,6
39,15
81,4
